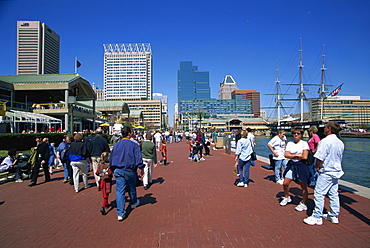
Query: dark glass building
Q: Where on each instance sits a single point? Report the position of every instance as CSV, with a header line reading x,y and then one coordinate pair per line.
x,y
192,83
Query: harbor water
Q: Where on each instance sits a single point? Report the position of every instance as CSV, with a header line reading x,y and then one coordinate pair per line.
x,y
356,167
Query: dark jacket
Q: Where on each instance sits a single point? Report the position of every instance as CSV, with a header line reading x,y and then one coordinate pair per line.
x,y
78,151
99,144
43,151
87,141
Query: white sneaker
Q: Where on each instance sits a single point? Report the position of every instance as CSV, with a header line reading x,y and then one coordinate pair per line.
x,y
313,221
301,207
135,204
202,159
285,201
240,184
19,181
280,181
332,219
245,185
120,218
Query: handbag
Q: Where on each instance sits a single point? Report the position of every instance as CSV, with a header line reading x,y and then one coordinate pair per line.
x,y
236,167
310,158
253,156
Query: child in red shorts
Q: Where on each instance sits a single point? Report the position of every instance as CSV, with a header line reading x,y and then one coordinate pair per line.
x,y
105,181
164,152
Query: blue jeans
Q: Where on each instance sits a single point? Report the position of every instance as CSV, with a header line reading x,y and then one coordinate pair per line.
x,y
66,172
51,161
278,164
244,166
326,185
124,179
313,173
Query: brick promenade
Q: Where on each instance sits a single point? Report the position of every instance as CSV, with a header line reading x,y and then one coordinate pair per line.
x,y
189,205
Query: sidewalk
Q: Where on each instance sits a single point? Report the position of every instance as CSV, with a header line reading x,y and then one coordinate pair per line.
x,y
189,205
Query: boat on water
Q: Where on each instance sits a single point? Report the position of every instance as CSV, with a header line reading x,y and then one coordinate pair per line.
x,y
288,122
347,134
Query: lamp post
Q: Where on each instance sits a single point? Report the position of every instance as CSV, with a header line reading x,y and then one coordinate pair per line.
x,y
201,113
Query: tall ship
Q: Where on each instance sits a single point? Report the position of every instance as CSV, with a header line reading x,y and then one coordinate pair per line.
x,y
287,122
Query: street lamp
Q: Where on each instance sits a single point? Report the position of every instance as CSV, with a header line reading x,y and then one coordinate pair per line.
x,y
201,113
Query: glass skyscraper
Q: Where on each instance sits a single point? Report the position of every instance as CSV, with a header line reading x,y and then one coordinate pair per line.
x,y
194,96
128,71
192,84
211,108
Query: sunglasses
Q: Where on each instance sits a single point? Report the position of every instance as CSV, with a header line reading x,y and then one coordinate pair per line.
x,y
296,133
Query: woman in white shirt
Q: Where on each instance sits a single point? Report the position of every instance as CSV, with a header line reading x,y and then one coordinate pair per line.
x,y
277,147
296,169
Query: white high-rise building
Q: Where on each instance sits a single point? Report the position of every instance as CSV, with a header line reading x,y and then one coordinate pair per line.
x,y
38,48
99,93
227,86
164,100
128,71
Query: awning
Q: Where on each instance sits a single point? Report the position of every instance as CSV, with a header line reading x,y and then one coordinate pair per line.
x,y
29,117
139,127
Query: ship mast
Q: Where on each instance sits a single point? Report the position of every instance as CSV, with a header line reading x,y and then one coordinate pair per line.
x,y
301,92
322,85
278,101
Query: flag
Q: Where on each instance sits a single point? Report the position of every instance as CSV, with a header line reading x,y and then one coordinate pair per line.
x,y
336,91
78,64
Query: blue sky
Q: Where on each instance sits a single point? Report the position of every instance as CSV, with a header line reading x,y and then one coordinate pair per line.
x,y
238,37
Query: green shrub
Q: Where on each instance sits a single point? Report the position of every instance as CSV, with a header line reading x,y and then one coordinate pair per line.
x,y
24,141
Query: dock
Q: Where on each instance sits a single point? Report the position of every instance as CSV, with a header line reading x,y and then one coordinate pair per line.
x,y
190,204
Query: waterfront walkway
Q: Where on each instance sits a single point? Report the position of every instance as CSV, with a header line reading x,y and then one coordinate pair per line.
x,y
189,205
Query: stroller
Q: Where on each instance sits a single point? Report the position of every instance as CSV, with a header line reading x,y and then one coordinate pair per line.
x,y
22,162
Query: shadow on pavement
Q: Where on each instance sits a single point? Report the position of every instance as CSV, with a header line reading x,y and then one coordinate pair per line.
x,y
345,201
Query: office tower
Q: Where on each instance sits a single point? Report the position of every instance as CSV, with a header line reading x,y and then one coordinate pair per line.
x,y
192,84
352,109
161,97
227,86
38,48
164,100
212,108
128,71
99,93
249,95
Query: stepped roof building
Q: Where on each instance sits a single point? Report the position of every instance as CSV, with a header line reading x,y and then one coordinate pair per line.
x,y
227,86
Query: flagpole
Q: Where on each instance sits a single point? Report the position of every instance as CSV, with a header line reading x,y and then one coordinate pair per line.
x,y
76,65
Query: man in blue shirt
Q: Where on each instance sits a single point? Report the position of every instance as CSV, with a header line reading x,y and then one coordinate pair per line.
x,y
124,160
329,164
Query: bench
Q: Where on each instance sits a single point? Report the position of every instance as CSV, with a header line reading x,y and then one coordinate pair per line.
x,y
4,176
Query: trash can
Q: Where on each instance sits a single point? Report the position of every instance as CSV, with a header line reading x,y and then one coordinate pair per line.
x,y
220,142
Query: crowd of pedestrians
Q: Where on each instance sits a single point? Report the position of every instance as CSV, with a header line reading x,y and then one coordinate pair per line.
x,y
134,156
315,163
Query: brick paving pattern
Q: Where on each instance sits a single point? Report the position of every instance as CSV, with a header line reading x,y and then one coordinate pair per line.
x,y
189,205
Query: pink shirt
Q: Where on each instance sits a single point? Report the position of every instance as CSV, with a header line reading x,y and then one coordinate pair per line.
x,y
313,142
